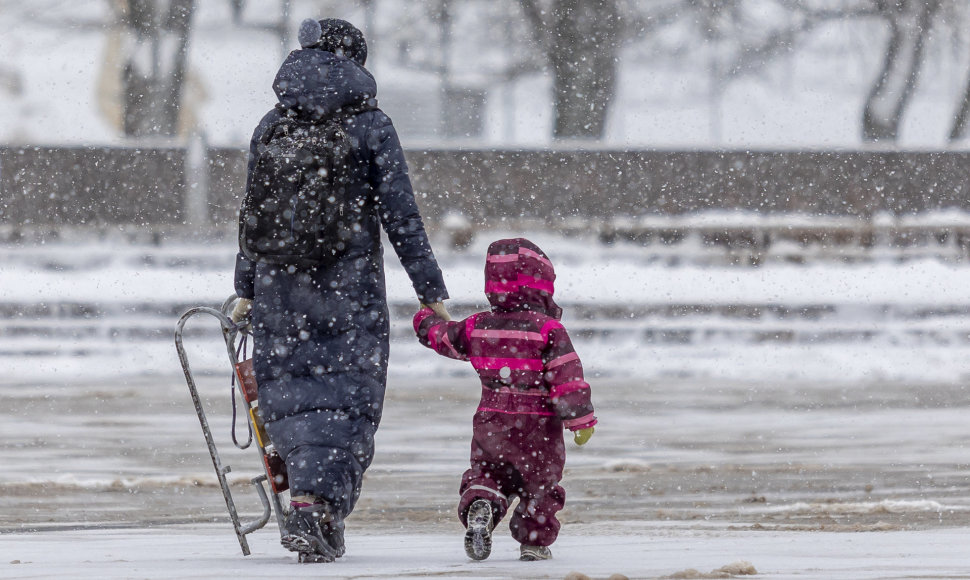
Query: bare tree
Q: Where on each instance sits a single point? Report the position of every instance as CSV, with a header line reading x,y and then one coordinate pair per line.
x,y
155,62
961,121
957,14
909,23
744,45
578,41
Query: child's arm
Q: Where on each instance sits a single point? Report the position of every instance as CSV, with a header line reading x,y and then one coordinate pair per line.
x,y
564,373
445,337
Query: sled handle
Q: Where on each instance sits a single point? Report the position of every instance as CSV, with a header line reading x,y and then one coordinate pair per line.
x,y
267,507
229,333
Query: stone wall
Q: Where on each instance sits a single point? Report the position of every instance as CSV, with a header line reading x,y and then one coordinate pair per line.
x,y
61,186
78,186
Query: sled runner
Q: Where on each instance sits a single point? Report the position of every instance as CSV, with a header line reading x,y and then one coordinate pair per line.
x,y
243,384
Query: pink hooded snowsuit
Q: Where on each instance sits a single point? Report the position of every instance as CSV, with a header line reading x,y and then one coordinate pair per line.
x,y
532,387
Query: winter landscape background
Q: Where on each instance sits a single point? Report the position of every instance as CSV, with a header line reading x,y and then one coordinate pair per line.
x,y
802,414
62,61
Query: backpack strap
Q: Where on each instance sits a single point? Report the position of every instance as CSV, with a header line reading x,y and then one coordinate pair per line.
x,y
343,113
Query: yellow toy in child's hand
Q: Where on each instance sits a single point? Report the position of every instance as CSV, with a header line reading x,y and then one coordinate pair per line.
x,y
581,436
438,308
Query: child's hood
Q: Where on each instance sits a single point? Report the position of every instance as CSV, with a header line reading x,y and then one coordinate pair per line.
x,y
519,276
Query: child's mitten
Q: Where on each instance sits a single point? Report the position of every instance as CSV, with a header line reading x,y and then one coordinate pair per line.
x,y
581,436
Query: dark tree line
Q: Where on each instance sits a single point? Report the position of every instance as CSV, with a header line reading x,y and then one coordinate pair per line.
x,y
578,42
581,39
907,26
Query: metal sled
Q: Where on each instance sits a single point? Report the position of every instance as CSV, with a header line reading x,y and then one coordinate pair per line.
x,y
274,470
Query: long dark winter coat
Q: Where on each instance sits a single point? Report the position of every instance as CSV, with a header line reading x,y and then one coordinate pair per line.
x,y
532,387
321,334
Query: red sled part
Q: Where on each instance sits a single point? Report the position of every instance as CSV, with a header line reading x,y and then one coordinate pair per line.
x,y
275,466
276,469
247,378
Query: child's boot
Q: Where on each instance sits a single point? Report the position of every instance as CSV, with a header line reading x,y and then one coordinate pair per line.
x,y
478,537
532,553
304,532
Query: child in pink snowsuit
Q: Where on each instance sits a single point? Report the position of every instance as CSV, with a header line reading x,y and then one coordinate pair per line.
x,y
532,387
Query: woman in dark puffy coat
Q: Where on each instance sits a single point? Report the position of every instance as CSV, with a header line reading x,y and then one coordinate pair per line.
x,y
321,333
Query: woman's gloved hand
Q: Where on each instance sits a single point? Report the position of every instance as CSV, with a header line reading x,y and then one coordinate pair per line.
x,y
581,436
241,310
439,309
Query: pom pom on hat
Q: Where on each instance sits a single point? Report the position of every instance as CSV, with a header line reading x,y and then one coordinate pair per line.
x,y
310,33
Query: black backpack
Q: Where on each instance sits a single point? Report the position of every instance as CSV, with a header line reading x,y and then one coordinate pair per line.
x,y
296,202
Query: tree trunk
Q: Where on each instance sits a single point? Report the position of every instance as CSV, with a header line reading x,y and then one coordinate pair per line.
x,y
580,39
909,21
583,51
959,129
155,63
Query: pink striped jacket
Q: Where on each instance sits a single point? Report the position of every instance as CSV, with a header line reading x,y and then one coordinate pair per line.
x,y
520,349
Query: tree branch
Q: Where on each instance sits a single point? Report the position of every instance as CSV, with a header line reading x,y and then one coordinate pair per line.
x,y
533,15
645,25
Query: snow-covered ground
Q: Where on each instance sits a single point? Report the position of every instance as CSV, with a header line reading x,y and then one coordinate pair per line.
x,y
111,480
634,314
207,552
807,420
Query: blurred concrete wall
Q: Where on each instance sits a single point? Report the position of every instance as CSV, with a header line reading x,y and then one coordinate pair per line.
x,y
92,186
77,186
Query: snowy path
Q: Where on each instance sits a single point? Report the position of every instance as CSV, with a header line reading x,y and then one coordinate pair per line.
x,y
208,552
804,482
